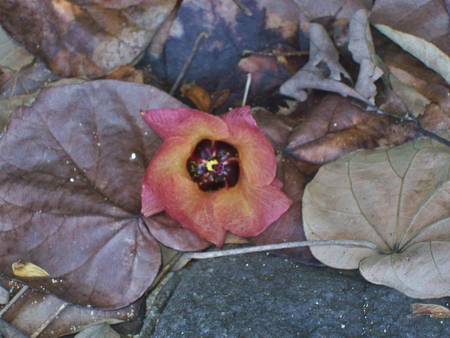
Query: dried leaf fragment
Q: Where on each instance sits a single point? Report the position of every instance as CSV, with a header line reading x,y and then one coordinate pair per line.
x,y
28,269
199,96
4,296
434,310
98,331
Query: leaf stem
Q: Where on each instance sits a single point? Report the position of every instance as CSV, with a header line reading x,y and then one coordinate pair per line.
x,y
288,245
188,63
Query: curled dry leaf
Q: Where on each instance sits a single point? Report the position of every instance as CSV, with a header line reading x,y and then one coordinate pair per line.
x,y
71,167
28,269
433,310
427,19
425,51
396,198
323,71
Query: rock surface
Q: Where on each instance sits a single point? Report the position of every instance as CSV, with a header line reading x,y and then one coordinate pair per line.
x,y
257,295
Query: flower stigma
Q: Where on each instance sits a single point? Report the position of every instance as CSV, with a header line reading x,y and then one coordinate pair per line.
x,y
214,165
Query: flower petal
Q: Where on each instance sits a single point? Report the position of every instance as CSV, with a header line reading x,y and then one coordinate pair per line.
x,y
247,210
170,158
255,152
193,208
188,123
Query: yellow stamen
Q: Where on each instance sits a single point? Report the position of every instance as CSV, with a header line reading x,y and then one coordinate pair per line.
x,y
210,163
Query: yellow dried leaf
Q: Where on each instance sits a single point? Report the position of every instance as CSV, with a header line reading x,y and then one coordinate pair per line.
x,y
28,270
430,310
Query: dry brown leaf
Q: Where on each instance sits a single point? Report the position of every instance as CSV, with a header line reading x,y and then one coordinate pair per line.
x,y
397,199
197,95
433,310
86,39
53,317
127,74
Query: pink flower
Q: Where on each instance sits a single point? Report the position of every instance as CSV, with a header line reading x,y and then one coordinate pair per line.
x,y
213,175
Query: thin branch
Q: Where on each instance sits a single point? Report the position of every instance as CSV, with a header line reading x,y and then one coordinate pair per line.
x,y
243,8
166,269
246,52
430,134
247,87
289,245
12,301
188,63
49,320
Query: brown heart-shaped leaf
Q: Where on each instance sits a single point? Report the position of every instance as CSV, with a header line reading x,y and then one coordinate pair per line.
x,y
71,169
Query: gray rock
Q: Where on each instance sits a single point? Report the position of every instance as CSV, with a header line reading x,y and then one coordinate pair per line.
x,y
258,295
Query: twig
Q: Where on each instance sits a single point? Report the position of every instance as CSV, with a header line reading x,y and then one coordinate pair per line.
x,y
243,8
427,132
188,63
246,52
214,254
12,301
49,320
166,269
247,87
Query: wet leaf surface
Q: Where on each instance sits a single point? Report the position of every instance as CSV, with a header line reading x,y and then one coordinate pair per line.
x,y
395,198
71,200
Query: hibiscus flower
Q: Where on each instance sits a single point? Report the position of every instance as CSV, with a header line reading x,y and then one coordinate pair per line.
x,y
213,174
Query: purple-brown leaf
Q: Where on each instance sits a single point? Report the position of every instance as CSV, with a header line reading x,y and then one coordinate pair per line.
x,y
71,169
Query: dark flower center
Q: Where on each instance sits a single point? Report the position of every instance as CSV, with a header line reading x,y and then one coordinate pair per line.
x,y
213,165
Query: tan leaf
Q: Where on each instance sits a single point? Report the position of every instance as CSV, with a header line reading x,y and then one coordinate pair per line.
x,y
28,269
396,198
12,56
430,309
